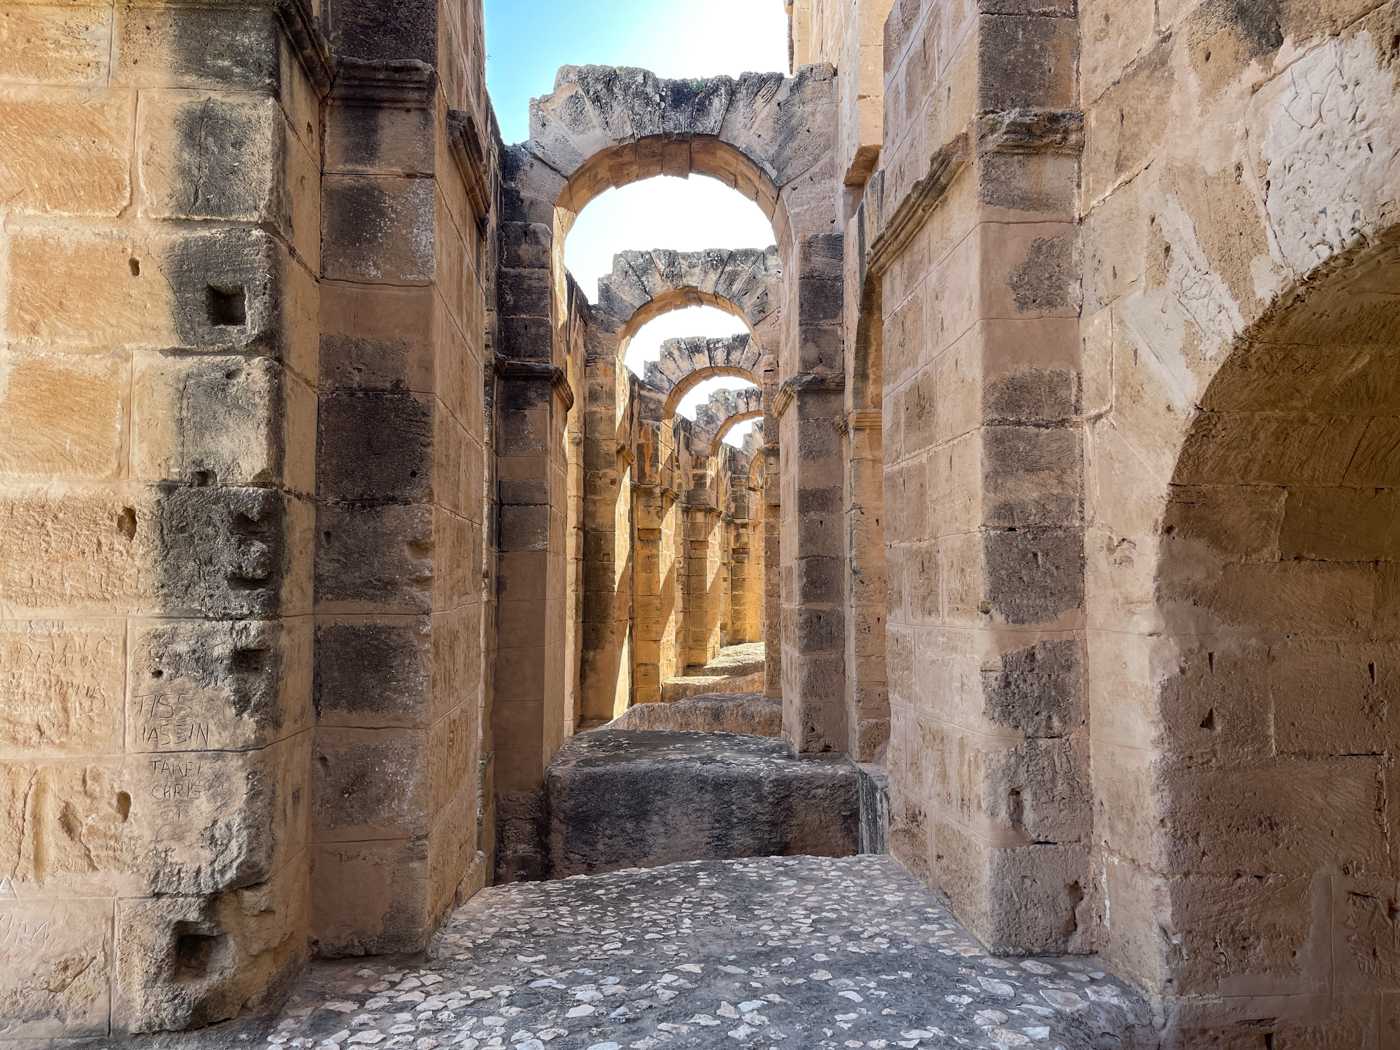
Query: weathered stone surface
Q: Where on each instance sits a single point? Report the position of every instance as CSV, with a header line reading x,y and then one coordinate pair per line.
x,y
770,949
750,713
620,798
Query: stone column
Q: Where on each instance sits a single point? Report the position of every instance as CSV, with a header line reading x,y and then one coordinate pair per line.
x,y
809,406
533,400
605,674
867,698
976,254
647,521
400,468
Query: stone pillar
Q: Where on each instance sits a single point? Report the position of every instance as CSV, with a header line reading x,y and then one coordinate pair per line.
x,y
976,254
533,400
648,516
400,469
867,698
771,497
809,406
605,675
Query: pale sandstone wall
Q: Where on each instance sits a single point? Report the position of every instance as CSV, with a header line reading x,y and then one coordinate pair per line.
x,y
401,474
971,238
158,417
1239,331
190,744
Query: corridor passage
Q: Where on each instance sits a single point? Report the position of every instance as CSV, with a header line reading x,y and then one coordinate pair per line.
x,y
797,953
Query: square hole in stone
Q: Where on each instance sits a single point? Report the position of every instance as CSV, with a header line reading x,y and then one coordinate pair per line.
x,y
228,306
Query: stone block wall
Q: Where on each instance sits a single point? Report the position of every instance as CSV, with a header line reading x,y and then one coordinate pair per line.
x,y
401,474
1238,224
973,243
158,413
243,498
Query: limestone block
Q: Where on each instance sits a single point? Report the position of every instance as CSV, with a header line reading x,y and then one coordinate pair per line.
x,y
369,897
186,962
66,154
232,552
376,337
1034,575
380,140
62,415
409,31
199,685
1114,37
1037,689
375,446
378,228
370,784
91,549
209,551
1015,187
452,754
744,713
63,686
175,822
1285,816
173,47
98,288
371,559
621,798
1032,476
1330,698
209,158
1129,121
1038,899
451,853
1243,929
57,46
1306,598
1040,789
220,420
1218,704
374,673
55,961
1028,270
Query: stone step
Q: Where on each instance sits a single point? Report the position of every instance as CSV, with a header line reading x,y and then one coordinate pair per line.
x,y
620,798
749,713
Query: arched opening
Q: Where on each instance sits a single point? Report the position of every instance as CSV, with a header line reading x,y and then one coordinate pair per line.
x,y
656,541
1278,588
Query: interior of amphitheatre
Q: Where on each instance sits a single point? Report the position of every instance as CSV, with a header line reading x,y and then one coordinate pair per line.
x,y
993,642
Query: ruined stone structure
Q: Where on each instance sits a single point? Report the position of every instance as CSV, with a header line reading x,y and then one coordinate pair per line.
x,y
329,509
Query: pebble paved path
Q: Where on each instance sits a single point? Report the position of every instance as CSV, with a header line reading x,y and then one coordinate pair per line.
x,y
789,953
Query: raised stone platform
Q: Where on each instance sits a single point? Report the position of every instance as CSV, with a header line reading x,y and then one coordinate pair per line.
x,y
747,713
735,669
622,798
799,953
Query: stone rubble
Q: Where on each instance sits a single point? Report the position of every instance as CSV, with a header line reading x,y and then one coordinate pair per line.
x,y
779,953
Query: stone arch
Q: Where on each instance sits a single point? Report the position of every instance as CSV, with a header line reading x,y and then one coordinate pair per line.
x,y
765,135
1274,594
604,127
725,410
644,285
686,362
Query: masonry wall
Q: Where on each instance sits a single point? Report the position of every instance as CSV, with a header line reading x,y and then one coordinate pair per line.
x,y
158,418
401,477
244,480
972,241
1237,202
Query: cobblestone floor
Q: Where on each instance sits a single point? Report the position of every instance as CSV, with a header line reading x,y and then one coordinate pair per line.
x,y
787,953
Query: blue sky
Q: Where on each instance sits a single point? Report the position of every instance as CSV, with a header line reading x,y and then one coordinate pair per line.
x,y
528,40
526,43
